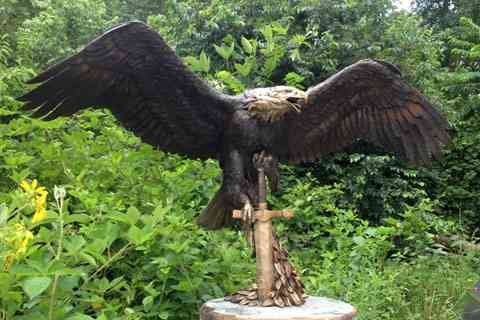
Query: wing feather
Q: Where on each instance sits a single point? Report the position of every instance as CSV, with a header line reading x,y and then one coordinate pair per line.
x,y
132,71
367,100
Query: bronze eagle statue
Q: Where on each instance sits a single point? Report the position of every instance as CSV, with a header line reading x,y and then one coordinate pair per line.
x,y
134,73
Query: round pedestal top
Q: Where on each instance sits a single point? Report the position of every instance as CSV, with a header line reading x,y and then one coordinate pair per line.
x,y
315,308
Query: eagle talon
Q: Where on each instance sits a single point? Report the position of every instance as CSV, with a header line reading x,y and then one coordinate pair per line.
x,y
248,214
248,219
268,163
261,160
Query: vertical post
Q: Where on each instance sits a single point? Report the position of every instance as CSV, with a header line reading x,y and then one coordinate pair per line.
x,y
264,293
263,244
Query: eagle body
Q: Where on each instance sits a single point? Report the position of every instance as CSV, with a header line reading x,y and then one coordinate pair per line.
x,y
250,130
131,71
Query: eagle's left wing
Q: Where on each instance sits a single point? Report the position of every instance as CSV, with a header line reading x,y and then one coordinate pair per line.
x,y
369,101
132,71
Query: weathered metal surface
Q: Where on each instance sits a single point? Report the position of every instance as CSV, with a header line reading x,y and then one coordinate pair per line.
x,y
277,283
284,289
272,104
267,215
264,256
315,308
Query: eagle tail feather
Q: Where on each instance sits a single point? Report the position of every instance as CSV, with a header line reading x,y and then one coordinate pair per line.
x,y
218,213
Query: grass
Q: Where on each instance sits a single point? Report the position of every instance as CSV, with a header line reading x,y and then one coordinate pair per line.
x,y
426,288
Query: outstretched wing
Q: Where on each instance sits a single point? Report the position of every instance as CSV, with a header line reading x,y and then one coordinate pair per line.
x,y
369,101
133,72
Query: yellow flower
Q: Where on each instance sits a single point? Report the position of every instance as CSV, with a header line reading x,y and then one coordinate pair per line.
x,y
18,241
38,195
40,213
23,242
27,187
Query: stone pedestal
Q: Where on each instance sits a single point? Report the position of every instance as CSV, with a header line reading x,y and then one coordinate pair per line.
x,y
315,308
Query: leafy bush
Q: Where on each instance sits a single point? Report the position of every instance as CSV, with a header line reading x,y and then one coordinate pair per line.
x,y
59,30
99,252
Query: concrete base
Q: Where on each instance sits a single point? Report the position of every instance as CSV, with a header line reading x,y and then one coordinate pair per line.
x,y
315,308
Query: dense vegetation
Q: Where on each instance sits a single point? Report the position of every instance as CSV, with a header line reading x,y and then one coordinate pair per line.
x,y
96,225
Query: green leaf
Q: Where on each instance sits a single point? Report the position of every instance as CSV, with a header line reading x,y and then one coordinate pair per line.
x,y
359,240
147,303
278,28
298,40
118,216
204,62
244,69
34,287
133,215
17,159
74,243
192,62
229,79
294,79
135,234
246,45
4,214
97,246
225,51
21,175
295,55
199,65
159,213
80,317
54,124
68,283
270,65
267,33
78,217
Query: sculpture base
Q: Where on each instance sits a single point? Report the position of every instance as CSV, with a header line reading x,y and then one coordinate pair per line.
x,y
315,308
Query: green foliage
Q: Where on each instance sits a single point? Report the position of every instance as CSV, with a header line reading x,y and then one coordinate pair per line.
x,y
464,83
127,10
139,256
14,12
60,29
119,239
461,85
389,271
12,76
202,64
225,51
446,13
342,31
415,49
